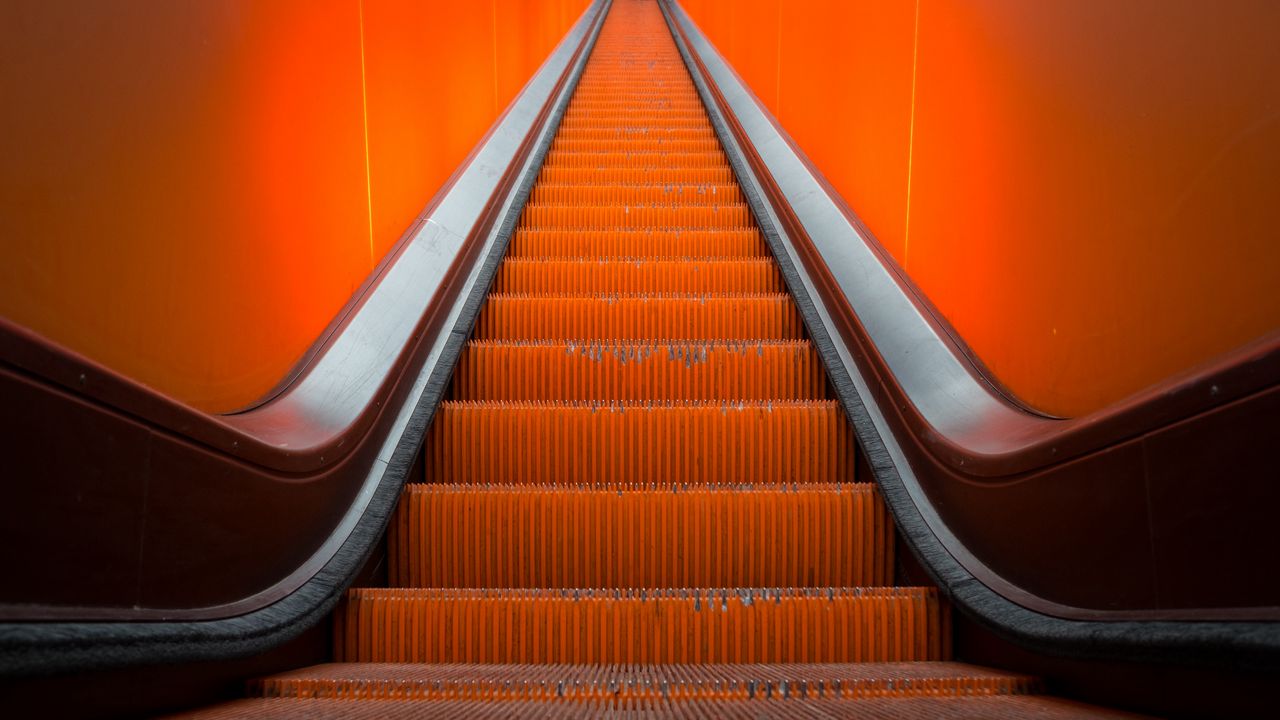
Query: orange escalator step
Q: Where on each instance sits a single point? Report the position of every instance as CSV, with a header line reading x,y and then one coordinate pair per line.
x,y
626,371
556,158
701,131
602,100
611,217
520,276
633,114
612,193
445,536
640,244
631,317
712,443
792,704
635,143
722,625
409,681
711,175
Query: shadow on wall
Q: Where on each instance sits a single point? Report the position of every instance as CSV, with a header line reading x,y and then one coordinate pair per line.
x,y
190,192
1085,190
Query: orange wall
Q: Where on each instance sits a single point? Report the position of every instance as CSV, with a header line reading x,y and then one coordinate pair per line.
x,y
185,191
1088,191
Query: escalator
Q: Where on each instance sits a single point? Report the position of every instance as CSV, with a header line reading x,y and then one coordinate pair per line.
x,y
641,494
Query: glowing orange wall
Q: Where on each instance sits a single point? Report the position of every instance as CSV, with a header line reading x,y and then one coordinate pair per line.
x,y
1088,191
185,191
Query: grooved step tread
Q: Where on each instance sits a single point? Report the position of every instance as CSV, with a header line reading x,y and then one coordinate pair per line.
x,y
711,174
713,317
600,276
450,536
609,193
668,625
652,159
607,133
632,371
649,215
703,244
635,143
879,708
399,681
701,443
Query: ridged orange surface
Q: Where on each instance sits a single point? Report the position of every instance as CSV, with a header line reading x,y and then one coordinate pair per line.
x,y
636,144
719,174
665,193
398,681
704,443
520,276
639,474
633,317
622,371
608,217
668,625
638,244
471,536
594,131
795,704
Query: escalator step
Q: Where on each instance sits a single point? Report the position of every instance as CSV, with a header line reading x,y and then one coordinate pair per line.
x,y
446,536
613,217
698,131
397,681
722,625
571,277
613,193
635,143
628,317
633,243
982,707
713,158
712,443
629,371
616,115
622,95
714,174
